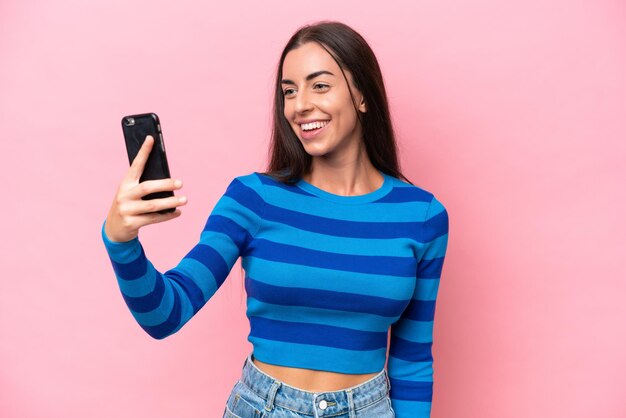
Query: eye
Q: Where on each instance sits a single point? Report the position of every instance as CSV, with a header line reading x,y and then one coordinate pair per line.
x,y
321,86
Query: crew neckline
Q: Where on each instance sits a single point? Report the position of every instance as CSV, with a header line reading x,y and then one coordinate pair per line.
x,y
356,199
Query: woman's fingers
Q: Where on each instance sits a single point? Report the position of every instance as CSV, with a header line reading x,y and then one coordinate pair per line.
x,y
129,211
145,207
153,218
127,215
132,188
152,186
139,163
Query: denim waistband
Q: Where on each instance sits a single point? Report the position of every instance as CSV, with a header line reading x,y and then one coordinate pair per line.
x,y
276,392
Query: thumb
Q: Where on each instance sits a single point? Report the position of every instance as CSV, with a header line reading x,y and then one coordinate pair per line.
x,y
139,163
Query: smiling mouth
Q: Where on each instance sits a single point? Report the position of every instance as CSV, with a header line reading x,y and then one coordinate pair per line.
x,y
311,133
316,124
313,126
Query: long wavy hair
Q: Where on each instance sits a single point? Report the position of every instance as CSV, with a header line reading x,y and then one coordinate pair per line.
x,y
288,160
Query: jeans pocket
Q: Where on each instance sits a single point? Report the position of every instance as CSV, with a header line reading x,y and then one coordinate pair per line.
x,y
378,409
243,403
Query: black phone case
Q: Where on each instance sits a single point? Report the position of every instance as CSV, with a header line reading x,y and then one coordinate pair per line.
x,y
136,128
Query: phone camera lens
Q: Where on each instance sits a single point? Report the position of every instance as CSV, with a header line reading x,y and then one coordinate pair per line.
x,y
130,121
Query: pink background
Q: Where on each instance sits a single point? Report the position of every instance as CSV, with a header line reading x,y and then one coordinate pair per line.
x,y
512,113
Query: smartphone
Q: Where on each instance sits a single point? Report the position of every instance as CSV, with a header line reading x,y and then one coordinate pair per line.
x,y
136,128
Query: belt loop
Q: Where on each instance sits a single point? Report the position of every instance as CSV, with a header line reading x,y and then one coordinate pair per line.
x,y
269,404
351,411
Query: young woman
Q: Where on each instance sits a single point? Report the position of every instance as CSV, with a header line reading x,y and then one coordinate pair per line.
x,y
337,250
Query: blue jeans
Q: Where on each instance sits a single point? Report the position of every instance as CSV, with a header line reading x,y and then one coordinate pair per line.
x,y
258,395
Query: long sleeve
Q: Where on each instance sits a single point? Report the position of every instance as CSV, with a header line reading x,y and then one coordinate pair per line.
x,y
163,302
410,363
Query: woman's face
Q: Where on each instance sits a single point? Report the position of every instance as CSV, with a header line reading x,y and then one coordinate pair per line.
x,y
314,89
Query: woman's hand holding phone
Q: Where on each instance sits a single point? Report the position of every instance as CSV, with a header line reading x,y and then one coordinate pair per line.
x,y
129,211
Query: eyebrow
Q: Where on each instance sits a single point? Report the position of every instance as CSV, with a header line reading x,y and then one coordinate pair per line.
x,y
308,77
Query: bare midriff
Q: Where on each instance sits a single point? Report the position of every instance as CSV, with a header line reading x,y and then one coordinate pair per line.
x,y
312,380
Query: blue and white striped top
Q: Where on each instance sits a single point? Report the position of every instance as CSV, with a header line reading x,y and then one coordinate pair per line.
x,y
325,275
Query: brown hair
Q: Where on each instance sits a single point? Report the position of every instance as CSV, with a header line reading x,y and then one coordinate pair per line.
x,y
288,160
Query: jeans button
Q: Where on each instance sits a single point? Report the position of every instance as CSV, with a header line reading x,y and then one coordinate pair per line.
x,y
323,404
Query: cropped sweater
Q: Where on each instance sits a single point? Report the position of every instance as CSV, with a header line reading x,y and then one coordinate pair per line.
x,y
326,276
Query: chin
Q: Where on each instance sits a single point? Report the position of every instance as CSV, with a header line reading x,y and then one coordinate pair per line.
x,y
317,152
312,151
309,145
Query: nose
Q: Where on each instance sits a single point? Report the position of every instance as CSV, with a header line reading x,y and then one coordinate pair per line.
x,y
303,102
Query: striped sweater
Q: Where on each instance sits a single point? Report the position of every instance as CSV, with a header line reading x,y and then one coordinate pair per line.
x,y
326,276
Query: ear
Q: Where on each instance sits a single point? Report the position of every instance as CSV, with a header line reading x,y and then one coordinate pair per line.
x,y
362,106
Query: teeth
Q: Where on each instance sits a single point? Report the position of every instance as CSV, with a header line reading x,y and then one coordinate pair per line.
x,y
313,125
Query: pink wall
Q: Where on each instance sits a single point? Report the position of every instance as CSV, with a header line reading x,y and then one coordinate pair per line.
x,y
511,112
